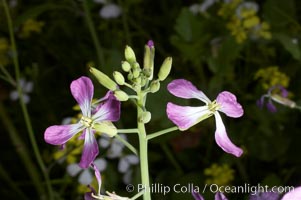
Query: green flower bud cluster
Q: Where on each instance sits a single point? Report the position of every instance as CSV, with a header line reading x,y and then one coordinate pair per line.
x,y
140,80
107,82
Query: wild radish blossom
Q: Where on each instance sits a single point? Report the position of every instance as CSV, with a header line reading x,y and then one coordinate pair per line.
x,y
280,96
98,119
185,116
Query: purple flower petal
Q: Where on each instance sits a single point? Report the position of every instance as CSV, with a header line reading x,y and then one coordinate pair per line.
x,y
220,196
185,116
293,195
98,176
197,195
60,134
88,195
229,104
222,138
260,102
271,107
150,44
82,90
185,89
90,150
108,111
284,92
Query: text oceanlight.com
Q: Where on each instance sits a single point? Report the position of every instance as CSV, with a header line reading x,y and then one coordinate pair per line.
x,y
213,188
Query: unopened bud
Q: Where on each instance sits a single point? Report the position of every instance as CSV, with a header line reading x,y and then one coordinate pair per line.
x,y
129,54
136,72
154,86
121,95
145,117
104,79
136,65
118,78
148,62
284,101
130,76
125,66
165,69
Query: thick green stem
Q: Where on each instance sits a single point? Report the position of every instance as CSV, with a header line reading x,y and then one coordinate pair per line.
x,y
159,133
23,106
143,148
96,42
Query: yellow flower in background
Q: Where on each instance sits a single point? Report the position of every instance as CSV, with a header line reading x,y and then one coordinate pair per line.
x,y
271,76
227,9
82,189
4,47
221,175
243,22
31,26
71,152
264,31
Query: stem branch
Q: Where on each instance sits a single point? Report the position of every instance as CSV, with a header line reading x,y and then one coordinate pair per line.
x,y
159,133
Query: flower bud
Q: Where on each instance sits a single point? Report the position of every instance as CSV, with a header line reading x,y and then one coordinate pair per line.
x,y
148,62
121,95
104,79
125,66
136,65
154,86
130,76
283,100
165,69
118,78
145,117
136,72
129,54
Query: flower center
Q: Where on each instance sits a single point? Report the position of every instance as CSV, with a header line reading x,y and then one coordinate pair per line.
x,y
86,121
213,106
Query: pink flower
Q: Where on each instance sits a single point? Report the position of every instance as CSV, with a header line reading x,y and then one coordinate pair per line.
x,y
92,120
185,116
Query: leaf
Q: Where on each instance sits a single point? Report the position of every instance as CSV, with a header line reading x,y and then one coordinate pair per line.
x,y
279,13
289,45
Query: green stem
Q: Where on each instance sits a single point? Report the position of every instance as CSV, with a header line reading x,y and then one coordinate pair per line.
x,y
143,147
93,33
159,133
130,130
23,106
298,108
137,195
128,145
7,76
